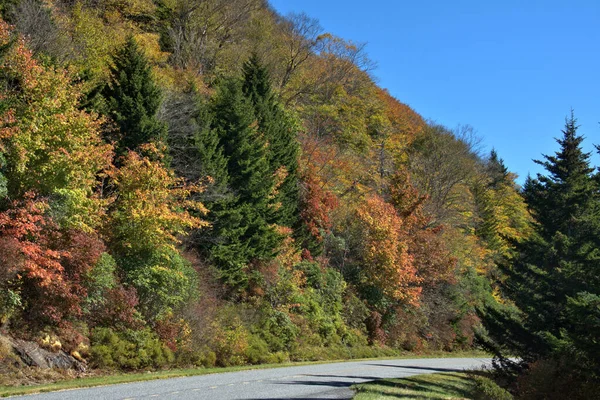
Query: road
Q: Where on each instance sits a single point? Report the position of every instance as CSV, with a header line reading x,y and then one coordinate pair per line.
x,y
309,382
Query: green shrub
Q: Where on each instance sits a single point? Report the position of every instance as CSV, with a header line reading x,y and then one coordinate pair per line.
x,y
128,350
99,280
257,351
487,389
278,331
209,359
164,281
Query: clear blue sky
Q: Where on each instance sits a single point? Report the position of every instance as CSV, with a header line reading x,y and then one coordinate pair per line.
x,y
512,69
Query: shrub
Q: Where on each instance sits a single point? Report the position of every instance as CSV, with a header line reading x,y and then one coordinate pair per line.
x,y
164,281
230,343
128,350
258,351
487,389
555,379
279,331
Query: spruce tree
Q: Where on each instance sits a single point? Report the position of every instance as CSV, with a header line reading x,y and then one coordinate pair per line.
x,y
278,130
554,276
241,230
568,191
132,99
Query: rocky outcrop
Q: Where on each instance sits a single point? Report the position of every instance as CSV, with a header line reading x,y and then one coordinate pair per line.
x,y
35,356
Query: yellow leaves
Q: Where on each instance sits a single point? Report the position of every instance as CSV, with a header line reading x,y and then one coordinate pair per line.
x,y
386,261
149,42
288,254
50,143
149,210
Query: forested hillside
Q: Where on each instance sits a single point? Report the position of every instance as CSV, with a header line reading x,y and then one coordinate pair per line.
x,y
207,182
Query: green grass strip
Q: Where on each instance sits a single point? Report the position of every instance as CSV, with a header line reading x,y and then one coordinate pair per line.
x,y
453,385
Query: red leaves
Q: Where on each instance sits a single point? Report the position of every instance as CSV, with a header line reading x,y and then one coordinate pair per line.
x,y
317,203
25,228
49,266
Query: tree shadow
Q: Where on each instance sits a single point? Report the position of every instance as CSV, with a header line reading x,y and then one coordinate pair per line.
x,y
330,383
420,368
367,378
416,384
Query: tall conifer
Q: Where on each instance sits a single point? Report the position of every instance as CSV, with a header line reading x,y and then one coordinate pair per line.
x,y
278,130
241,219
554,277
132,99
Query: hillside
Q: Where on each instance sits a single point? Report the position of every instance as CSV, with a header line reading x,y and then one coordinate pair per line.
x,y
207,182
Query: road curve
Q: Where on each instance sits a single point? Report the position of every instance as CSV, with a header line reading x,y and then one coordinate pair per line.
x,y
309,382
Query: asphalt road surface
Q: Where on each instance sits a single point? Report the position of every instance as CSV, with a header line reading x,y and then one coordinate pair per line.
x,y
310,382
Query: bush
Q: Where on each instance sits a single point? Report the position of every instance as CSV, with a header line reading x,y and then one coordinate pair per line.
x,y
128,350
487,389
555,379
258,351
164,281
99,280
230,344
278,331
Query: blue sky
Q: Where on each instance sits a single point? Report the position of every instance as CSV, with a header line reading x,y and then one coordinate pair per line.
x,y
512,69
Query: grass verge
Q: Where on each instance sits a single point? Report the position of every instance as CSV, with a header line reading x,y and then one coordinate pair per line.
x,y
113,378
448,385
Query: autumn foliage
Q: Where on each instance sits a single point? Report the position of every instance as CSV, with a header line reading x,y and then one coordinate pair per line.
x,y
208,183
387,262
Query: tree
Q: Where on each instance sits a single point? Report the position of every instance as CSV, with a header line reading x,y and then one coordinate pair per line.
x,y
50,146
386,262
503,215
132,100
241,226
283,147
553,276
149,215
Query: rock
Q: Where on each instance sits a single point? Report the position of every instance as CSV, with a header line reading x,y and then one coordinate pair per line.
x,y
33,355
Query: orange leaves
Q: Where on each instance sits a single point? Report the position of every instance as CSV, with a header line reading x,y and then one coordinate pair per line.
x,y
425,244
386,260
28,240
405,122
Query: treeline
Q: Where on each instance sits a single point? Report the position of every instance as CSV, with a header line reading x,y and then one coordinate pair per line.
x,y
208,182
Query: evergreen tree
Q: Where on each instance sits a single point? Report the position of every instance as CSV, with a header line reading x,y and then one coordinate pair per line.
x,y
241,229
496,169
568,191
279,132
132,100
554,275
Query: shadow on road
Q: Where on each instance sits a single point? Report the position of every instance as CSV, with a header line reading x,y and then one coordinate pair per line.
x,y
420,368
330,383
367,378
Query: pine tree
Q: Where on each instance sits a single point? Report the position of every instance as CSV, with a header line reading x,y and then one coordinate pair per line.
x,y
554,275
568,190
496,169
283,147
241,229
132,100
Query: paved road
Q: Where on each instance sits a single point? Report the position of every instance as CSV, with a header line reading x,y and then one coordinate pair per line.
x,y
310,382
